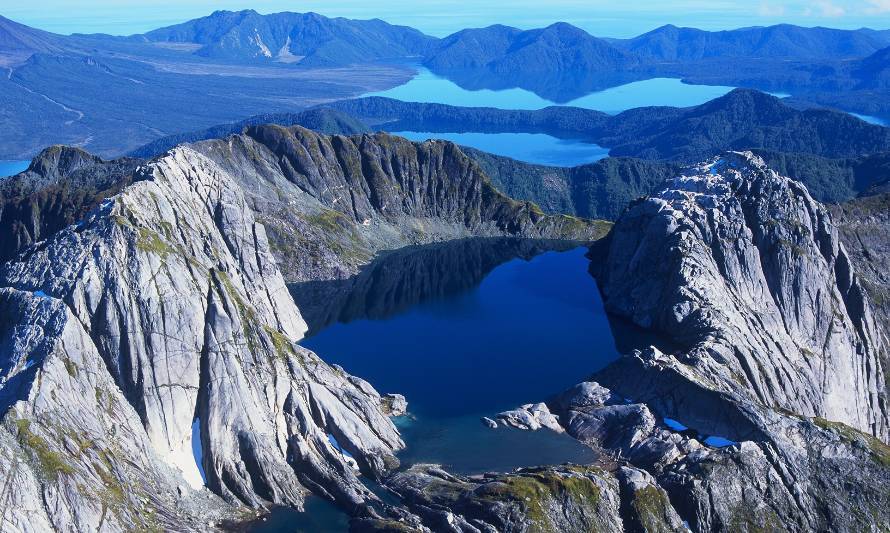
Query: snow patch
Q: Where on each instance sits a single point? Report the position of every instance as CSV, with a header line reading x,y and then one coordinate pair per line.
x,y
347,457
188,457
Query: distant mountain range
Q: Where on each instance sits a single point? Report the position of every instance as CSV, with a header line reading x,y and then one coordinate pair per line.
x,y
313,39
784,41
309,39
112,94
828,150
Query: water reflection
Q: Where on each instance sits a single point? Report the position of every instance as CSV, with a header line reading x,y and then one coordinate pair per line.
x,y
537,148
610,94
403,278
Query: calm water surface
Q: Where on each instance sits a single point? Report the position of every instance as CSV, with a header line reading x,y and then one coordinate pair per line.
x,y
463,329
11,168
466,328
540,148
535,148
428,87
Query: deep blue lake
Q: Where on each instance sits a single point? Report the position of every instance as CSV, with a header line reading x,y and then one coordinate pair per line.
x,y
463,329
11,168
466,328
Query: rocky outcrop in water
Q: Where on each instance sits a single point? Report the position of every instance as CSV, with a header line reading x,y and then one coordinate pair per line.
x,y
150,352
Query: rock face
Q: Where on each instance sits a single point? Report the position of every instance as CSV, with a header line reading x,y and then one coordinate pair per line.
x,y
59,188
864,229
160,325
331,202
745,272
564,498
796,474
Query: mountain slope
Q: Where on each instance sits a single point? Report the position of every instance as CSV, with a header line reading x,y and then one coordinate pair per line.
x,y
18,42
501,50
184,338
739,248
743,119
783,41
308,39
58,189
331,202
322,120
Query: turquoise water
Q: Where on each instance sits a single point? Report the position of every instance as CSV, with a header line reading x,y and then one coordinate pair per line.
x,y
536,148
540,148
11,168
428,87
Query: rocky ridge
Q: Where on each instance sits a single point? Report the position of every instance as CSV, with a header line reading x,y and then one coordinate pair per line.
x,y
739,428
150,340
330,203
753,282
157,325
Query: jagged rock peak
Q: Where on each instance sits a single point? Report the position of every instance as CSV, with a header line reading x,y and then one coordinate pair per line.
x,y
175,317
61,160
745,271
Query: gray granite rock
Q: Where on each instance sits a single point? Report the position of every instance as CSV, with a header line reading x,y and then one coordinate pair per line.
x,y
330,203
170,324
744,271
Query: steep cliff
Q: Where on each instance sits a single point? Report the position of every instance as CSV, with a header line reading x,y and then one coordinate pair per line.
x,y
150,352
745,271
331,202
768,413
864,228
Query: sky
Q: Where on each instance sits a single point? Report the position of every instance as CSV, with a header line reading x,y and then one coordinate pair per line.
x,y
605,18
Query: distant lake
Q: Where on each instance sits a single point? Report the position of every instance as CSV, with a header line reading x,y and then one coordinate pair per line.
x,y
11,168
536,148
540,148
428,87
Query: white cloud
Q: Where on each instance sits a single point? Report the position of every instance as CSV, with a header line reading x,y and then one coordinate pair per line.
x,y
772,10
826,9
878,6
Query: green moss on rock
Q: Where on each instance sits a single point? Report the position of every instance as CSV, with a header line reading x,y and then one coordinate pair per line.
x,y
51,462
